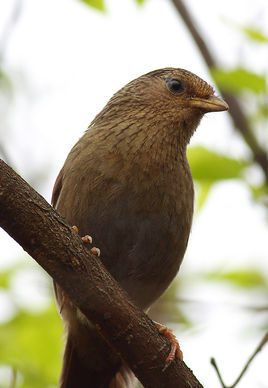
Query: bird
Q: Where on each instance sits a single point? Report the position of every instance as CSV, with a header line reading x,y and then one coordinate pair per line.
x,y
128,184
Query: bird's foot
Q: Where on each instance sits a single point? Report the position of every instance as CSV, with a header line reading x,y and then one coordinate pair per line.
x,y
95,251
175,351
88,240
75,228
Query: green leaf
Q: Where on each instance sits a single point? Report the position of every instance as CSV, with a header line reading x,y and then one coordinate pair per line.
x,y
239,80
242,277
208,166
255,34
97,4
140,2
31,344
250,31
202,193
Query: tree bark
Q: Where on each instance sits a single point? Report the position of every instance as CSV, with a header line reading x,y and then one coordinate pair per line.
x,y
46,236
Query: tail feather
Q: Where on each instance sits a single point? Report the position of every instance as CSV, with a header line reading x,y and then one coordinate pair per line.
x,y
81,373
124,378
88,360
73,374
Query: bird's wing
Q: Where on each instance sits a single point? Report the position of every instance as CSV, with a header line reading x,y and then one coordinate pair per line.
x,y
57,189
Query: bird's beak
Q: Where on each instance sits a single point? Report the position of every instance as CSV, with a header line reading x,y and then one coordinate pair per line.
x,y
210,104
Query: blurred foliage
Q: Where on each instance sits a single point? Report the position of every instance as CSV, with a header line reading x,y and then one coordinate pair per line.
x,y
260,194
209,167
8,273
140,2
254,34
261,113
240,80
251,32
249,278
6,86
98,4
251,88
30,343
167,309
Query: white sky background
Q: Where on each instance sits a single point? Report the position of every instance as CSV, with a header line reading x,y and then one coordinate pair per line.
x,y
67,60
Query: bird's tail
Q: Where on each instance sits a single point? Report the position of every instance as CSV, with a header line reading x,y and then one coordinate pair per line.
x,y
124,378
103,370
73,374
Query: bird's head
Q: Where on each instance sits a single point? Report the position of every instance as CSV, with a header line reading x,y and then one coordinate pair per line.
x,y
167,102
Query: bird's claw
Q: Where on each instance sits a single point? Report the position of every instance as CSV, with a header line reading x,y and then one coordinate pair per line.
x,y
88,240
175,351
95,251
75,228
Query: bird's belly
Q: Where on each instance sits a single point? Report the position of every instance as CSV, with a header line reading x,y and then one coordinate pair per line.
x,y
155,268
142,234
142,252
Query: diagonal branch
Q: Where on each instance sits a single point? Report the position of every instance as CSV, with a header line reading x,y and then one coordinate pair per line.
x,y
39,229
238,117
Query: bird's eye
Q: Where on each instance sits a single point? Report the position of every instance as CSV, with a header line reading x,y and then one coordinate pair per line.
x,y
175,85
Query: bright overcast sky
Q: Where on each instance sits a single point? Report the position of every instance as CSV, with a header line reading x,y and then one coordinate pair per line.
x,y
67,60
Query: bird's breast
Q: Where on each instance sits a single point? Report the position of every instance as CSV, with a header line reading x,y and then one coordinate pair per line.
x,y
142,227
140,218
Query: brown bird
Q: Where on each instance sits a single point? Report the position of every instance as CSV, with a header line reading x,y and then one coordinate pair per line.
x,y
127,182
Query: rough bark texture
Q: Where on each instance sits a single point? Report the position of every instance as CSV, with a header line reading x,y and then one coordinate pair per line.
x,y
37,227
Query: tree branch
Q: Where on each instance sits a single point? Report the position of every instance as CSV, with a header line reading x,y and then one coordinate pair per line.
x,y
251,358
239,119
39,229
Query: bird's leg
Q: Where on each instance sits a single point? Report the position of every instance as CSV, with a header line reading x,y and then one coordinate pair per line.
x,y
88,240
175,350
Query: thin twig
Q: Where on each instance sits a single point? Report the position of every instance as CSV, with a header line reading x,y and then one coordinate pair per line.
x,y
238,117
213,362
251,358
